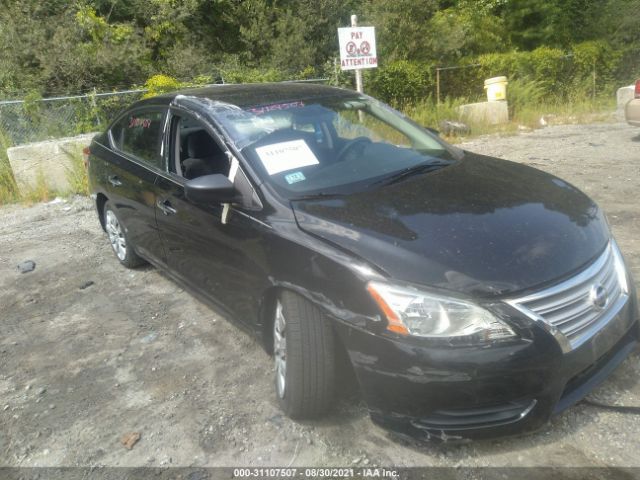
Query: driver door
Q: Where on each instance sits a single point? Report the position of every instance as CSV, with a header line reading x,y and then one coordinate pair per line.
x,y
215,259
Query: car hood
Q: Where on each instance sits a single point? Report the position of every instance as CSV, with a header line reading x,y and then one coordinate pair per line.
x,y
481,226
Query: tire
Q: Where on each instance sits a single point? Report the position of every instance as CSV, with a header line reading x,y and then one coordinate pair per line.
x,y
120,244
304,341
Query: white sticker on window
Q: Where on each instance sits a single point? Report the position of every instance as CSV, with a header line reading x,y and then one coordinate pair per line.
x,y
284,156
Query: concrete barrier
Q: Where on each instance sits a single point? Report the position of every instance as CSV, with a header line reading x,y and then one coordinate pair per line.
x,y
492,113
49,159
623,95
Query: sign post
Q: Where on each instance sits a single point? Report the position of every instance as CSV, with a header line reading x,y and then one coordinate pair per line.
x,y
357,49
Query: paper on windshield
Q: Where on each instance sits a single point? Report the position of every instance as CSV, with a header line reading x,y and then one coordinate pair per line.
x,y
280,157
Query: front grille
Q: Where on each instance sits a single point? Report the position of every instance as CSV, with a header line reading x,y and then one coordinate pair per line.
x,y
577,308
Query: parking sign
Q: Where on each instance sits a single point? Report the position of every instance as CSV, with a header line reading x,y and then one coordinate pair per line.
x,y
357,48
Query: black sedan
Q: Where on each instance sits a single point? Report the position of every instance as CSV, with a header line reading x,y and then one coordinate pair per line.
x,y
471,296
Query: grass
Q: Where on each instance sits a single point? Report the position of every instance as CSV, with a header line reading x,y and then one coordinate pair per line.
x,y
76,173
39,192
524,114
8,189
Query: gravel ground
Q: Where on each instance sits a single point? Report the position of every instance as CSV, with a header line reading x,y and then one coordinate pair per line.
x,y
83,364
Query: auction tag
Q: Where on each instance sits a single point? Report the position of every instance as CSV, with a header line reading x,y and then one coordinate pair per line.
x,y
280,157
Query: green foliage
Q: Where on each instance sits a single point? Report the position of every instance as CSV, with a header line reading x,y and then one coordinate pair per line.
x,y
465,29
76,172
159,84
524,93
427,113
62,47
237,74
38,192
402,27
8,188
401,81
32,106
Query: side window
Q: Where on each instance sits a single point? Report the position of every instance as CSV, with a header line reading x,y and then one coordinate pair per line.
x,y
193,151
138,134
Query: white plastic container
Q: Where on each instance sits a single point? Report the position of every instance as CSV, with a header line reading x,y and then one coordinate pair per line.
x,y
496,88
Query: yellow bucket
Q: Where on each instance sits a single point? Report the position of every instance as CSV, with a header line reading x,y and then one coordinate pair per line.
x,y
496,88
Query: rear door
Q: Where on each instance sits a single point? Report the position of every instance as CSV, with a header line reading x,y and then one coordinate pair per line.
x,y
131,177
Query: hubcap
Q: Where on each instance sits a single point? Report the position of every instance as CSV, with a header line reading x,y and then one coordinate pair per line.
x,y
280,350
116,235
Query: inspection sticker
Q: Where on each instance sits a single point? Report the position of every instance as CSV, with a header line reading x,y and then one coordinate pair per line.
x,y
294,177
284,156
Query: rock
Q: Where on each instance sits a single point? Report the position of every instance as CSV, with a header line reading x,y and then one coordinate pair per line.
x,y
130,439
490,113
149,338
453,128
27,266
86,284
547,119
623,95
41,390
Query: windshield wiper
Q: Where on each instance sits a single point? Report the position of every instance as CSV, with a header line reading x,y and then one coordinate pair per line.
x,y
314,196
410,171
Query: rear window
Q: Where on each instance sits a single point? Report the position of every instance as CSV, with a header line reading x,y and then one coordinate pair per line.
x,y
138,134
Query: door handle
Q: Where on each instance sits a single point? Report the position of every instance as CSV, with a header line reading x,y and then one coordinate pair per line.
x,y
114,180
165,206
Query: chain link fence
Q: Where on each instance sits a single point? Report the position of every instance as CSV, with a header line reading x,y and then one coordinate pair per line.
x,y
34,120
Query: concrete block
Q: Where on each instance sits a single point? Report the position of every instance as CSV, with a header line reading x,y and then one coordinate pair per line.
x,y
623,95
492,113
49,158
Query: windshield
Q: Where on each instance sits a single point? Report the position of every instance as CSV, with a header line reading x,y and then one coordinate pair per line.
x,y
329,146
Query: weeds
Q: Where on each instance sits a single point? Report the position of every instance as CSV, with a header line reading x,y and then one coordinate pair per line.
x,y
528,109
8,188
76,173
38,192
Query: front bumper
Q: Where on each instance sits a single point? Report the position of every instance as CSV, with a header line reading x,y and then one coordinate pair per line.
x,y
472,393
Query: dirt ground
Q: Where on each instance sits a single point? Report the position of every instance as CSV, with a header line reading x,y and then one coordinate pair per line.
x,y
82,365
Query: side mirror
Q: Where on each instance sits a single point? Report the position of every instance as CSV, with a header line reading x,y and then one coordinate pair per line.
x,y
210,189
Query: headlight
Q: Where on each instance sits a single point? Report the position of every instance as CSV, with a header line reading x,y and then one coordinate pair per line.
x,y
413,312
621,271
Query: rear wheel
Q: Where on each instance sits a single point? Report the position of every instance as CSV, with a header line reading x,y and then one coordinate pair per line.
x,y
118,239
304,353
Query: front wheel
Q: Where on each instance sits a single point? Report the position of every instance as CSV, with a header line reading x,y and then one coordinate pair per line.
x,y
303,346
119,240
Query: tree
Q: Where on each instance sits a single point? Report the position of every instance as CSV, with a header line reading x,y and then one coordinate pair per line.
x,y
402,27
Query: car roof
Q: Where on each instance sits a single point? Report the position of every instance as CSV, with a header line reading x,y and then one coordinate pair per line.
x,y
250,94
